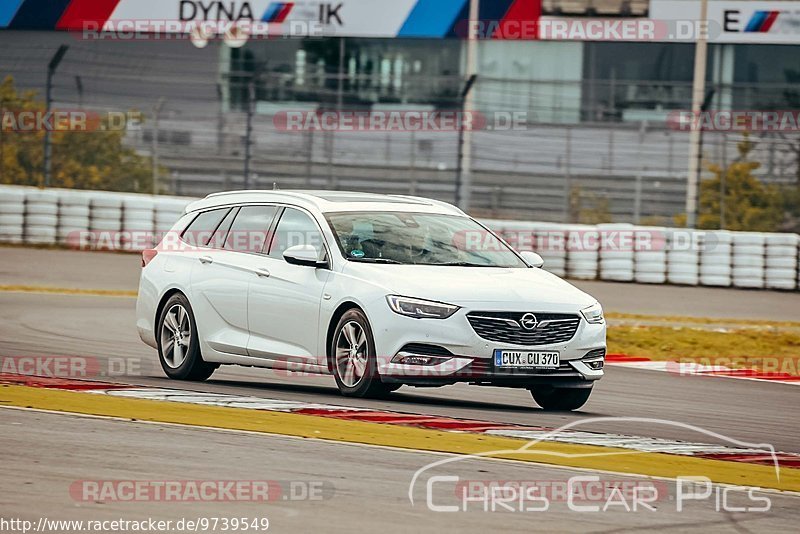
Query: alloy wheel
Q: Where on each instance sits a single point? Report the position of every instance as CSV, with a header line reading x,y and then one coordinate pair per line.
x,y
176,336
351,353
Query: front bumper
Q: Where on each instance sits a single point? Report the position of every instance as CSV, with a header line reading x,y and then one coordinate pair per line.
x,y
481,371
472,358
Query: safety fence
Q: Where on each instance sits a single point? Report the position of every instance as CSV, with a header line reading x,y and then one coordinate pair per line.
x,y
617,252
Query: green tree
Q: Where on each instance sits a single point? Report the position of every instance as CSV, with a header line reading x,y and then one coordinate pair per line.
x,y
84,160
735,194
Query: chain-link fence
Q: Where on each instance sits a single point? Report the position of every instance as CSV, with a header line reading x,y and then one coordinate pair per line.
x,y
571,158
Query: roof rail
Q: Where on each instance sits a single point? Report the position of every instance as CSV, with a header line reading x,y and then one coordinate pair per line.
x,y
435,202
239,192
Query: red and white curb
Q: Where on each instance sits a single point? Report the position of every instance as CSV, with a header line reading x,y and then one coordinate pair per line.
x,y
698,369
433,422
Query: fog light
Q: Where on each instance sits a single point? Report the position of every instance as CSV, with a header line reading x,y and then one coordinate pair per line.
x,y
408,358
595,365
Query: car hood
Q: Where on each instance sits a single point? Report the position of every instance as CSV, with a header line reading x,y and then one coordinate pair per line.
x,y
503,288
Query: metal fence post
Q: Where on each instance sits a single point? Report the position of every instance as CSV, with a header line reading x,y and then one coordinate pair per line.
x,y
309,155
722,181
220,119
567,176
154,142
412,153
329,148
51,70
611,151
637,198
251,97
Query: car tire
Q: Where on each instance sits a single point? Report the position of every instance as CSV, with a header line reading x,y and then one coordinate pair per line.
x,y
178,342
353,358
560,399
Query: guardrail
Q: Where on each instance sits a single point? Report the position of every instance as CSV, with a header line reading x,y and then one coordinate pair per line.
x,y
617,252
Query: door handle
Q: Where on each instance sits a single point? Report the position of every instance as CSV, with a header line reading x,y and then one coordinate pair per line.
x,y
206,259
262,272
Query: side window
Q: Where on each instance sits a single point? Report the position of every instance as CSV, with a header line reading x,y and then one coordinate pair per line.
x,y
248,232
294,228
218,236
199,231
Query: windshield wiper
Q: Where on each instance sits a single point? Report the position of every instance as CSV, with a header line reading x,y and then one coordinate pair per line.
x,y
374,260
457,264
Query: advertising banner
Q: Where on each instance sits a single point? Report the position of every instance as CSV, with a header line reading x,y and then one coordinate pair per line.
x,y
500,19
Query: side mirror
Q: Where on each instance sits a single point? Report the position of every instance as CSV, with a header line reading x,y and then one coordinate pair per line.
x,y
304,255
532,258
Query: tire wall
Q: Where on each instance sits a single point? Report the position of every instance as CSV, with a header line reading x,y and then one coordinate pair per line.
x,y
101,220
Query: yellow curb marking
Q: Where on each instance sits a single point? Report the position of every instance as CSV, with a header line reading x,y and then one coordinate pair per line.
x,y
289,424
68,291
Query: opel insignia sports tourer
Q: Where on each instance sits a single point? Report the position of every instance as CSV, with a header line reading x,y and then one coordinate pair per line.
x,y
378,290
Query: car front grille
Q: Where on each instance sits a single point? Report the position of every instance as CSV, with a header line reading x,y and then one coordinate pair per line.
x,y
505,327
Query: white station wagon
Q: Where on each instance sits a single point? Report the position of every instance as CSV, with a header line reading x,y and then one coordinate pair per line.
x,y
378,290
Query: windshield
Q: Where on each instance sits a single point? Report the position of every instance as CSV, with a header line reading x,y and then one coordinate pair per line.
x,y
418,239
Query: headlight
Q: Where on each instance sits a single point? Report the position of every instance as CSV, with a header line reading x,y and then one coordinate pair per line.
x,y
420,309
594,313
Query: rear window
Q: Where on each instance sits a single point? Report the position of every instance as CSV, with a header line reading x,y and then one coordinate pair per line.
x,y
248,232
218,237
199,232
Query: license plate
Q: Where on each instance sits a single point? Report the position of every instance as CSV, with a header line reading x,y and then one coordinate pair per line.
x,y
525,358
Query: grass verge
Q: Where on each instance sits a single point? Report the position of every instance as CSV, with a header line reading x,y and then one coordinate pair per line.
x,y
768,349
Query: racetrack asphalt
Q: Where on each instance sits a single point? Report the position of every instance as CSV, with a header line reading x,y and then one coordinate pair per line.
x,y
364,487
56,462
101,327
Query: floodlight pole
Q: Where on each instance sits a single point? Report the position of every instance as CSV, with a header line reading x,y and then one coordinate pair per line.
x,y
698,94
464,150
464,168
